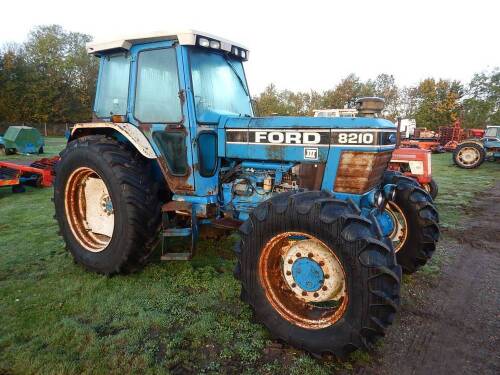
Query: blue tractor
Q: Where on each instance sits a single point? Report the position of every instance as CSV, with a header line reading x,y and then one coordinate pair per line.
x,y
174,147
471,153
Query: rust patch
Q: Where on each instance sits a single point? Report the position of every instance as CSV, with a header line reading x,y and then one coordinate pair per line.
x,y
311,176
358,171
177,184
146,128
290,306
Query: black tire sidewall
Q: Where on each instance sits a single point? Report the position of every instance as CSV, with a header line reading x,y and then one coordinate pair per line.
x,y
416,249
356,279
106,260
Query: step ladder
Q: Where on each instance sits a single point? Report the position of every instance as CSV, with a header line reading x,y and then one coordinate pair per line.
x,y
178,222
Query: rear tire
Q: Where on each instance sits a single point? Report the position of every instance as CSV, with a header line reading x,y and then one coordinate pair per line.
x,y
468,155
134,204
371,275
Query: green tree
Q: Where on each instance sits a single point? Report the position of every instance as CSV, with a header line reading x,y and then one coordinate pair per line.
x,y
438,102
50,78
482,104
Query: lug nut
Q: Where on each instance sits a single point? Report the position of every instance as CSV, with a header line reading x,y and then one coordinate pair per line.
x,y
290,261
316,295
298,255
288,273
327,276
310,255
304,293
321,263
324,287
294,285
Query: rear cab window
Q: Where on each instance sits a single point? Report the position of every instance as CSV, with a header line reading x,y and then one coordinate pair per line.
x,y
112,90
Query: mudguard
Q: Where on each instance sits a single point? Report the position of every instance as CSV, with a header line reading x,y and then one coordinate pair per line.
x,y
129,131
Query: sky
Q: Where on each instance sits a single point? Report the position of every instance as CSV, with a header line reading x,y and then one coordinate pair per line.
x,y
298,45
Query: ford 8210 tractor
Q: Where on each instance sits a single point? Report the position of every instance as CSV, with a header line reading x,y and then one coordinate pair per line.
x,y
174,146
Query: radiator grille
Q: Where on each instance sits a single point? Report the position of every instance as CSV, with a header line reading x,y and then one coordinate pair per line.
x,y
360,172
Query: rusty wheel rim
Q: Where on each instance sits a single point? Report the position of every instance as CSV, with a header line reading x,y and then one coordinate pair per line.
x,y
89,209
313,306
468,155
400,231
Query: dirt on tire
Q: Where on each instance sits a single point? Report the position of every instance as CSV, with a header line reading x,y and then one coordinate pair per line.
x,y
452,323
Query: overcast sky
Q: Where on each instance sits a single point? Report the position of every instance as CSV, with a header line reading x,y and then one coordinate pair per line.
x,y
299,45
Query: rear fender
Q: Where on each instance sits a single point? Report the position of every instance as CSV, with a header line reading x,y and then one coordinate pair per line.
x,y
126,130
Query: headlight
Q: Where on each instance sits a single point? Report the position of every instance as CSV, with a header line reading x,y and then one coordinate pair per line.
x,y
204,42
390,192
379,199
214,44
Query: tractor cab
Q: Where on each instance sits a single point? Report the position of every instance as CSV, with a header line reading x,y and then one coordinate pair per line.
x,y
492,133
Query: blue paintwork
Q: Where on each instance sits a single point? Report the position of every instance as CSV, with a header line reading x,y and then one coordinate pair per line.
x,y
307,274
257,158
386,223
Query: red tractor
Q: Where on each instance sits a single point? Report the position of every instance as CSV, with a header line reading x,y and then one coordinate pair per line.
x,y
415,163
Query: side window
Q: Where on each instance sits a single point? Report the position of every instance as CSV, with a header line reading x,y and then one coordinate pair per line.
x,y
173,146
157,91
207,153
112,91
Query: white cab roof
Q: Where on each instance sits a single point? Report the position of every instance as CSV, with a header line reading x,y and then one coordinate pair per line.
x,y
186,37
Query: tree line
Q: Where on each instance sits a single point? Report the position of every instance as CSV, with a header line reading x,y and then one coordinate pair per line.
x,y
51,79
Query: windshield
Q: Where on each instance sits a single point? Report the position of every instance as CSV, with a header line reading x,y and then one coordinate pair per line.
x,y
492,132
219,86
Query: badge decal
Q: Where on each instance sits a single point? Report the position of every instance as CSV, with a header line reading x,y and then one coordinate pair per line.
x,y
311,153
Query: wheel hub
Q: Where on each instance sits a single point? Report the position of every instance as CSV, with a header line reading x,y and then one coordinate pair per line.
x,y
312,272
468,155
399,225
89,209
307,274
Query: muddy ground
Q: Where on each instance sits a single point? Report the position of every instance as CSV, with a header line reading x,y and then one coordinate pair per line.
x,y
451,324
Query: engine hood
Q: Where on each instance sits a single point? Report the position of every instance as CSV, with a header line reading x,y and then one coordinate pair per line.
x,y
286,122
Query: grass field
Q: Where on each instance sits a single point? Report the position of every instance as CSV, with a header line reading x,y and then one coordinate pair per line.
x,y
171,317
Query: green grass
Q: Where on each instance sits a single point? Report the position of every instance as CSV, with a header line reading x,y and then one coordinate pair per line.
x,y
173,317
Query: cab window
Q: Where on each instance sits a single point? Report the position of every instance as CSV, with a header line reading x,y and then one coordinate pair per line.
x,y
157,90
112,91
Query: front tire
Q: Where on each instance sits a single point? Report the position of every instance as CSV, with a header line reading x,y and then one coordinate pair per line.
x,y
106,204
469,155
431,188
416,230
316,274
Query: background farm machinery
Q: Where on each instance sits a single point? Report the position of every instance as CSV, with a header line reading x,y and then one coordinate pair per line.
x,y
471,153
39,173
22,140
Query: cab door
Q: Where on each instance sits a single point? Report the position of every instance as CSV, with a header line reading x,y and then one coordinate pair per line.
x,y
158,107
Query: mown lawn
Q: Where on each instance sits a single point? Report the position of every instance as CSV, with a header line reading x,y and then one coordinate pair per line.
x,y
172,317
